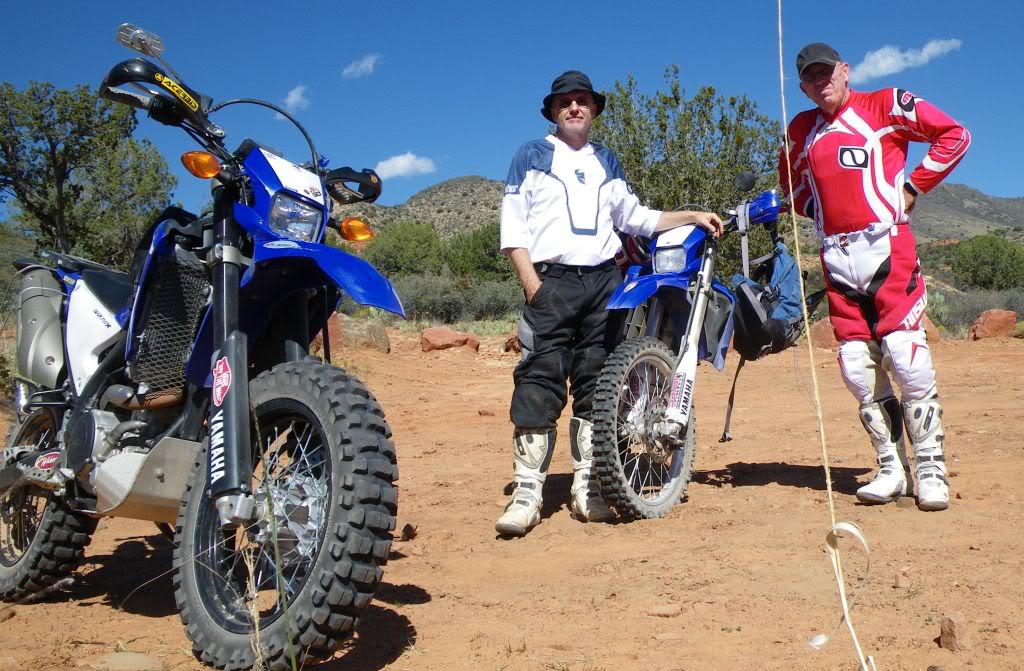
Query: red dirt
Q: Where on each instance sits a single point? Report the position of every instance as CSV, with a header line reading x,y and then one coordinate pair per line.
x,y
741,565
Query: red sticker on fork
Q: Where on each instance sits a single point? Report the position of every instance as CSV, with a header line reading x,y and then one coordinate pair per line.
x,y
221,380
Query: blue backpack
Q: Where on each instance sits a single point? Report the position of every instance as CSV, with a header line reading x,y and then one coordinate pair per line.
x,y
768,318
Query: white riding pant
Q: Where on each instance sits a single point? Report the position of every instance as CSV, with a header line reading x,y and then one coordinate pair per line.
x,y
867,365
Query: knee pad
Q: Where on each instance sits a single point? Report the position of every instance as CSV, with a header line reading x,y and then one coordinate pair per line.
x,y
911,364
863,366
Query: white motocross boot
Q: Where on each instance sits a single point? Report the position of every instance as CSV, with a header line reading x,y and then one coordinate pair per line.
x,y
532,448
924,428
586,502
885,427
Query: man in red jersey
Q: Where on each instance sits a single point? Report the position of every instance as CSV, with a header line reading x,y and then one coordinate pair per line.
x,y
845,168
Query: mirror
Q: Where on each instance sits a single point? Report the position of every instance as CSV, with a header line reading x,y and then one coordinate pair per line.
x,y
348,186
140,40
745,181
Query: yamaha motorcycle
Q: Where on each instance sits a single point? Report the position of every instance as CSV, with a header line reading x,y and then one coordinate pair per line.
x,y
676,313
183,393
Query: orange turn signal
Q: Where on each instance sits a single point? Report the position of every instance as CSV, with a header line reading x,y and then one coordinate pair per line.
x,y
354,229
202,164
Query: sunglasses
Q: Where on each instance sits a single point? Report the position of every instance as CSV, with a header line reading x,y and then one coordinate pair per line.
x,y
819,75
581,99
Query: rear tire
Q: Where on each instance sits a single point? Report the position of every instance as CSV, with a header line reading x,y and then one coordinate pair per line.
x,y
327,464
639,478
41,539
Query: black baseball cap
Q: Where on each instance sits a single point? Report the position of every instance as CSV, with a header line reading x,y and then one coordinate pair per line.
x,y
567,82
818,52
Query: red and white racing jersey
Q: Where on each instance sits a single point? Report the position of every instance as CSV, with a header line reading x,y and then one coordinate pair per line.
x,y
848,168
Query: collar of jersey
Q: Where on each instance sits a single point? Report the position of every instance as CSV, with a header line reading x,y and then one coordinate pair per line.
x,y
588,148
842,108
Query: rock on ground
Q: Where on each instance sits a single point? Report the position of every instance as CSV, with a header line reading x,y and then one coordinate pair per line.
x,y
822,336
953,632
994,324
442,337
931,331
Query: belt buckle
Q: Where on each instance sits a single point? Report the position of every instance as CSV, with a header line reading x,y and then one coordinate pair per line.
x,y
844,241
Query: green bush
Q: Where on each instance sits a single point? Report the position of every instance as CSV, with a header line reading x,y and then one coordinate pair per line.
x,y
989,262
955,312
405,248
430,298
447,300
494,300
477,254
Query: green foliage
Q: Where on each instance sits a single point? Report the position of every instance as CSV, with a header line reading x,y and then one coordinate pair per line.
x,y
989,262
444,299
81,182
679,151
493,299
405,248
477,254
956,312
14,244
430,297
127,189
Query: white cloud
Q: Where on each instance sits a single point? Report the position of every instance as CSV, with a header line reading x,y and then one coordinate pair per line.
x,y
361,67
405,165
889,59
295,101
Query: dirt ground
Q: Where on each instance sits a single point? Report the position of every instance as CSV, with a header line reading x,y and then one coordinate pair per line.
x,y
740,568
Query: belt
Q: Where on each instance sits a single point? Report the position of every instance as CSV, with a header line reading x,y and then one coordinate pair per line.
x,y
559,269
841,240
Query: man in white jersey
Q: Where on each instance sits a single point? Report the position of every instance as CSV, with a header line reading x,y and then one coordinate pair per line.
x,y
564,200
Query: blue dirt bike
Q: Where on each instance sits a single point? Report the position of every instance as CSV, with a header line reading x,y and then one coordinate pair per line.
x,y
675,314
183,392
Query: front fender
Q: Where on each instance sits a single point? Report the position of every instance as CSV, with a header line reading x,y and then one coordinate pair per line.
x,y
280,268
634,291
317,265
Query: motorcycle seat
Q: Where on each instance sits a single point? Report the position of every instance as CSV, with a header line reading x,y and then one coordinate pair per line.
x,y
75,264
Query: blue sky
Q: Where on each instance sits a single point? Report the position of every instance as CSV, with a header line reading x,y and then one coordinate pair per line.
x,y
427,91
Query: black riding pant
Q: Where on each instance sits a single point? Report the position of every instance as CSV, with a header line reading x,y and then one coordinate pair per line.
x,y
564,334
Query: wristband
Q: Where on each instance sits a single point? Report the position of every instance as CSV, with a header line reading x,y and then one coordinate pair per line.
x,y
910,189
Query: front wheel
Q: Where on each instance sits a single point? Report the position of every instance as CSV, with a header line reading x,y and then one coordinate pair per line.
x,y
641,476
293,583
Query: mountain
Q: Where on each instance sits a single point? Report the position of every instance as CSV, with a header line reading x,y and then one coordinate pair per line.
x,y
949,211
955,211
451,207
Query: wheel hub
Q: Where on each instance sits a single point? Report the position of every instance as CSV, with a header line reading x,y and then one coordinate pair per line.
x,y
295,511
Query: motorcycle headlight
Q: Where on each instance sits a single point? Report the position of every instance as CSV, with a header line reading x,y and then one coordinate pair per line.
x,y
670,260
294,219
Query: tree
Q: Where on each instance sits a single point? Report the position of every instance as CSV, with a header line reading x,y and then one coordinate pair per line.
x,y
60,150
989,262
405,248
678,151
478,254
127,188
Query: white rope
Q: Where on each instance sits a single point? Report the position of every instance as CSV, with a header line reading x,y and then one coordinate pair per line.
x,y
837,529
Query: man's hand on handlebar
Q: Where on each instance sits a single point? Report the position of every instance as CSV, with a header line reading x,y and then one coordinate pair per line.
x,y
706,220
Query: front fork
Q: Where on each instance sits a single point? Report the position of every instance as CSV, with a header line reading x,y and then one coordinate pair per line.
x,y
684,376
229,465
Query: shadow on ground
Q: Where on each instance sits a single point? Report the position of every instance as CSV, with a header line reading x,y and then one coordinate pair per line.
x,y
135,578
383,636
742,474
